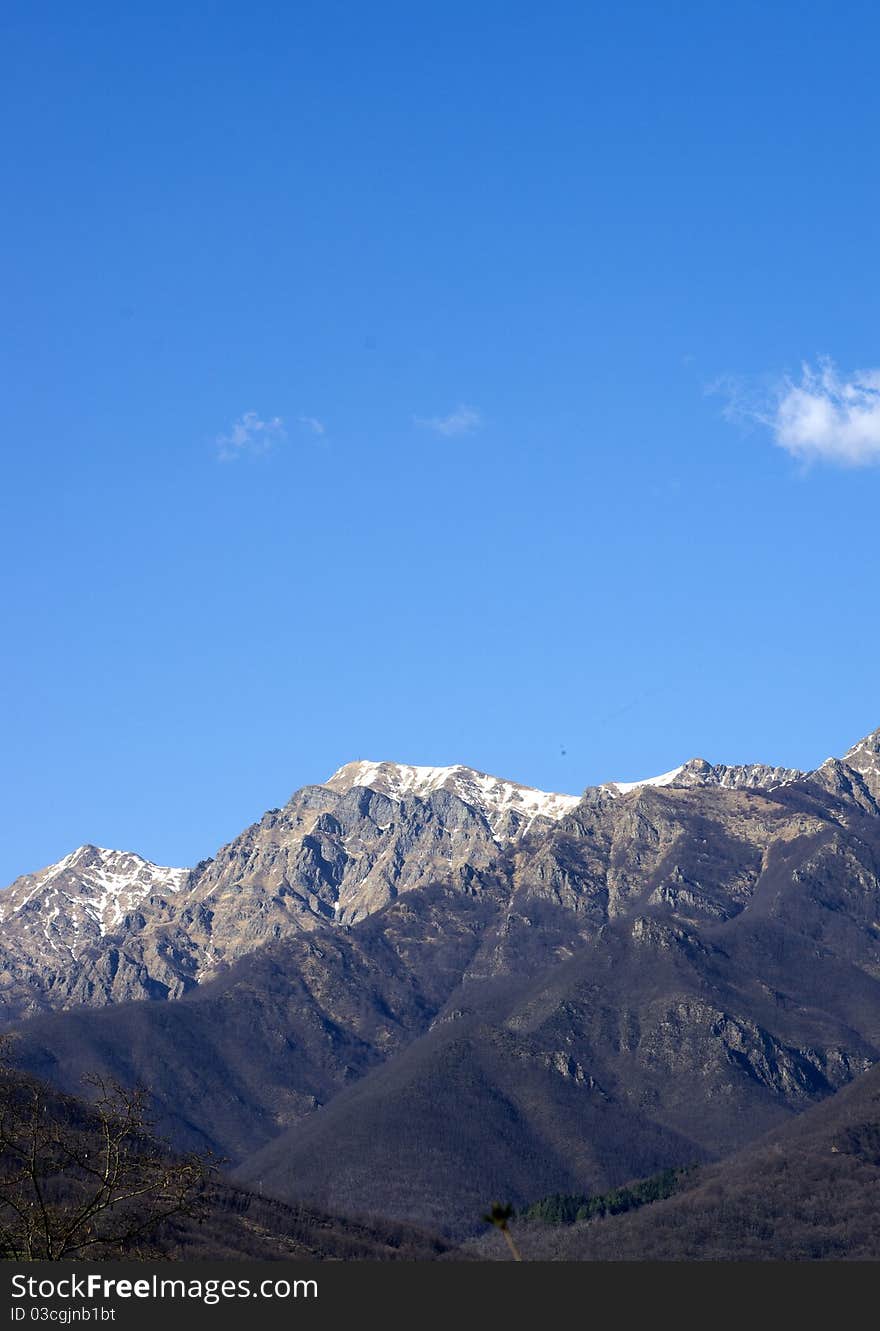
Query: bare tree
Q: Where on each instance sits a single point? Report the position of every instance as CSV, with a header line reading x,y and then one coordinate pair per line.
x,y
86,1179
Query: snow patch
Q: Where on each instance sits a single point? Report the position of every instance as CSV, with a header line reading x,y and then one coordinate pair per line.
x,y
665,779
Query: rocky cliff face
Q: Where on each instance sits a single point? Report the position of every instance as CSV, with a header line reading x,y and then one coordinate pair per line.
x,y
56,925
752,776
857,774
105,926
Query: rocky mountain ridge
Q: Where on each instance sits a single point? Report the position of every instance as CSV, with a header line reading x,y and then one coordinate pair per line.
x,y
699,772
52,923
105,926
509,808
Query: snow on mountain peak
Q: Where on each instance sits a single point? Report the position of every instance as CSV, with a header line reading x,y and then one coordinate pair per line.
x,y
87,892
864,758
507,806
665,779
497,798
699,772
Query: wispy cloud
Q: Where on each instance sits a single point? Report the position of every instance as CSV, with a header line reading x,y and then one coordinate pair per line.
x,y
831,418
464,420
824,416
250,436
313,424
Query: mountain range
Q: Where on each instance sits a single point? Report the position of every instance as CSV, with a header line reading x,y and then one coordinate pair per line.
x,y
412,989
105,926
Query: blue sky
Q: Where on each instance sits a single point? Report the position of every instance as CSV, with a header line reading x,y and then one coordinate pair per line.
x,y
426,382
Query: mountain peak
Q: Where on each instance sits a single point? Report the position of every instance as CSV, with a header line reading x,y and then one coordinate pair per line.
x,y
864,758
507,806
869,745
699,772
89,890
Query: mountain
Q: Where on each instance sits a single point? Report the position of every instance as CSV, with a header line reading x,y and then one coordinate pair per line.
x,y
85,896
864,758
104,926
806,1192
54,923
667,978
330,856
856,776
697,772
509,808
655,976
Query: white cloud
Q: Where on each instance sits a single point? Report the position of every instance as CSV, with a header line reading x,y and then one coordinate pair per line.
x,y
250,435
312,423
464,420
830,418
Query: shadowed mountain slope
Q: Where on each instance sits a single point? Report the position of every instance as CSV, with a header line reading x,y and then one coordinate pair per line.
x,y
806,1192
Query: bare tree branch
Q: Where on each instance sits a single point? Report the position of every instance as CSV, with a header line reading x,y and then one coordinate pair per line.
x,y
92,1177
